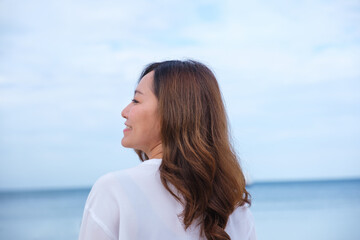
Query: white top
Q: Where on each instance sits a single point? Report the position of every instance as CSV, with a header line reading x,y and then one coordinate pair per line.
x,y
133,204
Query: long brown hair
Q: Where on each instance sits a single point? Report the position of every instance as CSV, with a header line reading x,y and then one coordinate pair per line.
x,y
198,158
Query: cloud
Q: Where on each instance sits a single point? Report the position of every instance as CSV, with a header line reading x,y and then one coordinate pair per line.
x,y
288,71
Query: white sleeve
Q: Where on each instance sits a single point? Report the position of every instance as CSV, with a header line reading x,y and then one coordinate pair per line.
x,y
241,224
101,214
252,234
93,229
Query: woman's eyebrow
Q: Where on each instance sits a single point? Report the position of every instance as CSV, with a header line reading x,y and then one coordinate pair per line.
x,y
137,91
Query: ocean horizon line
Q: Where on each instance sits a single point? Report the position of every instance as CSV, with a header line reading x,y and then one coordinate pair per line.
x,y
254,183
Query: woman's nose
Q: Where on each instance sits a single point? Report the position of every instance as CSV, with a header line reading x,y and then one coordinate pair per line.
x,y
124,112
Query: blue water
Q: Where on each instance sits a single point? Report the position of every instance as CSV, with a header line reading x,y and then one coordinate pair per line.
x,y
299,210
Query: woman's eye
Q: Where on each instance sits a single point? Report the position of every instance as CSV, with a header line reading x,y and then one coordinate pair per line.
x,y
135,101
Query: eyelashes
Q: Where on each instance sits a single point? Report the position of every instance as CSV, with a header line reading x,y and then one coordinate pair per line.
x,y
135,101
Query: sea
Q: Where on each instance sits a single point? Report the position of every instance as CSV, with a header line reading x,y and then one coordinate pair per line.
x,y
321,210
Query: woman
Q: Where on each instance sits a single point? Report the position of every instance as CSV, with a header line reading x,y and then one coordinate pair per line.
x,y
189,184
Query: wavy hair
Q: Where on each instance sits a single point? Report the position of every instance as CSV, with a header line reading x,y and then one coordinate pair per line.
x,y
198,158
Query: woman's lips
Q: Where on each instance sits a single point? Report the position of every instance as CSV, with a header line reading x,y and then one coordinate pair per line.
x,y
127,128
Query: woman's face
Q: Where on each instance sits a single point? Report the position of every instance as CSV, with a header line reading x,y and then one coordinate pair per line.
x,y
142,130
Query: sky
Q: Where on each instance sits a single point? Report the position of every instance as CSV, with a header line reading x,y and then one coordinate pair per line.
x,y
289,72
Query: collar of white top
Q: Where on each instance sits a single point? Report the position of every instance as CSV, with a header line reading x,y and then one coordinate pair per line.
x,y
152,161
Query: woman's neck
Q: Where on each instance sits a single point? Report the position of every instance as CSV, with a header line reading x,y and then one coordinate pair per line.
x,y
156,151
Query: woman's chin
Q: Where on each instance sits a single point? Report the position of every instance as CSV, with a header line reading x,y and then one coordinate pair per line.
x,y
125,143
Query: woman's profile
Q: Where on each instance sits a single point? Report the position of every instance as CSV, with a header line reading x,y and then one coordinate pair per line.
x,y
190,184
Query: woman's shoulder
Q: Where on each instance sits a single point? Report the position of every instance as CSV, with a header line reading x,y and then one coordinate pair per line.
x,y
116,188
114,180
105,187
106,181
241,223
242,214
243,210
